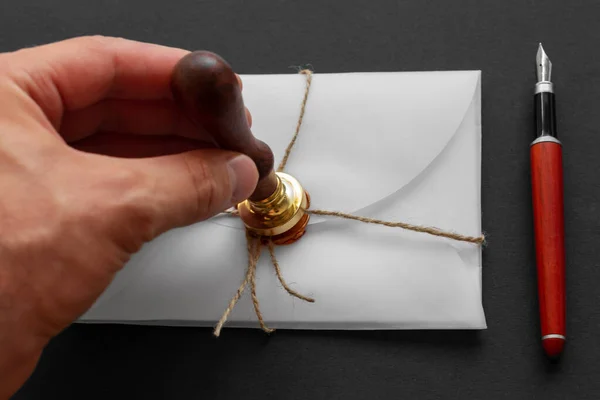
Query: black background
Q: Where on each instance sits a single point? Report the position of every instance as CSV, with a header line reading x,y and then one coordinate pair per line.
x,y
267,36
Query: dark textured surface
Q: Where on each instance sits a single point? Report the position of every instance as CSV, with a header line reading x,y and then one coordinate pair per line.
x,y
267,36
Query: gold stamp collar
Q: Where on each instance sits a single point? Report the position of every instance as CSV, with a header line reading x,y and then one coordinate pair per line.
x,y
279,212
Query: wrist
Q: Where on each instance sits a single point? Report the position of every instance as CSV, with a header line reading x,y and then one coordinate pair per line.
x,y
20,344
19,359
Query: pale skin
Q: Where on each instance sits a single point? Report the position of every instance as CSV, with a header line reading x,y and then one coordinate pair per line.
x,y
95,160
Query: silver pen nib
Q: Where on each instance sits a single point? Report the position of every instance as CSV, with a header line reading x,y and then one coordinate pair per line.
x,y
544,66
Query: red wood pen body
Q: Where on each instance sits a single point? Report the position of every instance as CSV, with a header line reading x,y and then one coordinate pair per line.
x,y
548,218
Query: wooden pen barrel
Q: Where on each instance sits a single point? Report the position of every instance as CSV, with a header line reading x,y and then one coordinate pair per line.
x,y
547,193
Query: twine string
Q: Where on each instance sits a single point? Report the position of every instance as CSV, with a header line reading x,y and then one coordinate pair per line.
x,y
252,259
255,255
415,228
254,244
288,150
280,276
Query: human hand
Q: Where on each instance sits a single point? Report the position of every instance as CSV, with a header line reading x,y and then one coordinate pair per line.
x,y
95,160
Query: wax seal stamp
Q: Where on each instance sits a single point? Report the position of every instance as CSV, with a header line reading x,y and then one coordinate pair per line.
x,y
207,90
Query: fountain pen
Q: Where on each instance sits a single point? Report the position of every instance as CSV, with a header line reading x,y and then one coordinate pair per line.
x,y
548,218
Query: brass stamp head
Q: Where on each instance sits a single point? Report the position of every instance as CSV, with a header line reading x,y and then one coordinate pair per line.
x,y
281,216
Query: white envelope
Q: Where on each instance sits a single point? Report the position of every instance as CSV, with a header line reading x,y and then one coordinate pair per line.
x,y
399,146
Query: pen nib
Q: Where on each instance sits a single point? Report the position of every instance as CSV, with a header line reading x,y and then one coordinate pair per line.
x,y
543,65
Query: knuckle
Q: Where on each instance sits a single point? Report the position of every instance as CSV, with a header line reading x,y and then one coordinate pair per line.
x,y
206,189
99,43
94,40
137,188
131,211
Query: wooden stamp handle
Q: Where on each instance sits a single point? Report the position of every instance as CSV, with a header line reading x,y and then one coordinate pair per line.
x,y
207,89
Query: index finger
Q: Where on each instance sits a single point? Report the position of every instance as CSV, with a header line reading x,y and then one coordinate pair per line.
x,y
76,73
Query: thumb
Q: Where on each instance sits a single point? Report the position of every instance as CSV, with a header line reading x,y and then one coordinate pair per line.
x,y
193,186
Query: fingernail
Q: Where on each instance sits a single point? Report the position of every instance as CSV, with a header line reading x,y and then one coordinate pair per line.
x,y
243,176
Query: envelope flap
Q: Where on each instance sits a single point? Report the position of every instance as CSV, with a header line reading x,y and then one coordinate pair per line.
x,y
364,135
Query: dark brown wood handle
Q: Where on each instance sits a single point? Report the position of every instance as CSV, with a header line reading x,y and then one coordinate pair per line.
x,y
207,90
